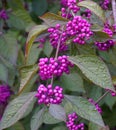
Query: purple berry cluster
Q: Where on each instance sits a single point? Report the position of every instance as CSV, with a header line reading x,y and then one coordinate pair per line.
x,y
96,105
87,13
3,14
72,123
5,94
70,8
79,30
104,46
58,35
49,67
108,31
48,95
105,4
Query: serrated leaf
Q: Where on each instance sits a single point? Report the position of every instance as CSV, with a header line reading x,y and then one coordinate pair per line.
x,y
53,19
94,7
16,109
57,112
35,31
72,82
85,109
94,69
26,72
37,119
49,119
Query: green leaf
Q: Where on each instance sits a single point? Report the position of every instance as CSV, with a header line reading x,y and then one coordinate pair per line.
x,y
37,119
93,126
114,80
86,49
53,19
16,22
60,128
101,36
16,126
85,109
31,37
94,69
72,82
49,119
57,112
3,73
96,28
48,49
34,54
94,7
9,48
15,4
16,109
109,100
39,7
26,72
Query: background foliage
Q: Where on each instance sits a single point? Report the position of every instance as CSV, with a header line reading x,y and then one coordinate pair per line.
x,y
20,50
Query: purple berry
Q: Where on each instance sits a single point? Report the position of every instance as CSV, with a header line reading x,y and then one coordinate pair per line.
x,y
105,4
72,122
96,105
56,36
104,46
5,94
79,30
87,13
70,8
49,67
3,14
49,95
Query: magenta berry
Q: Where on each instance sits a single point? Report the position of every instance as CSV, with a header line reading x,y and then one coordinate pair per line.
x,y
3,14
51,67
70,8
87,13
72,122
104,46
108,31
105,4
5,94
79,29
49,95
56,36
96,105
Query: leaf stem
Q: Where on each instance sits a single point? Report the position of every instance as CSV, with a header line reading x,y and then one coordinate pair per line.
x,y
114,10
102,97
